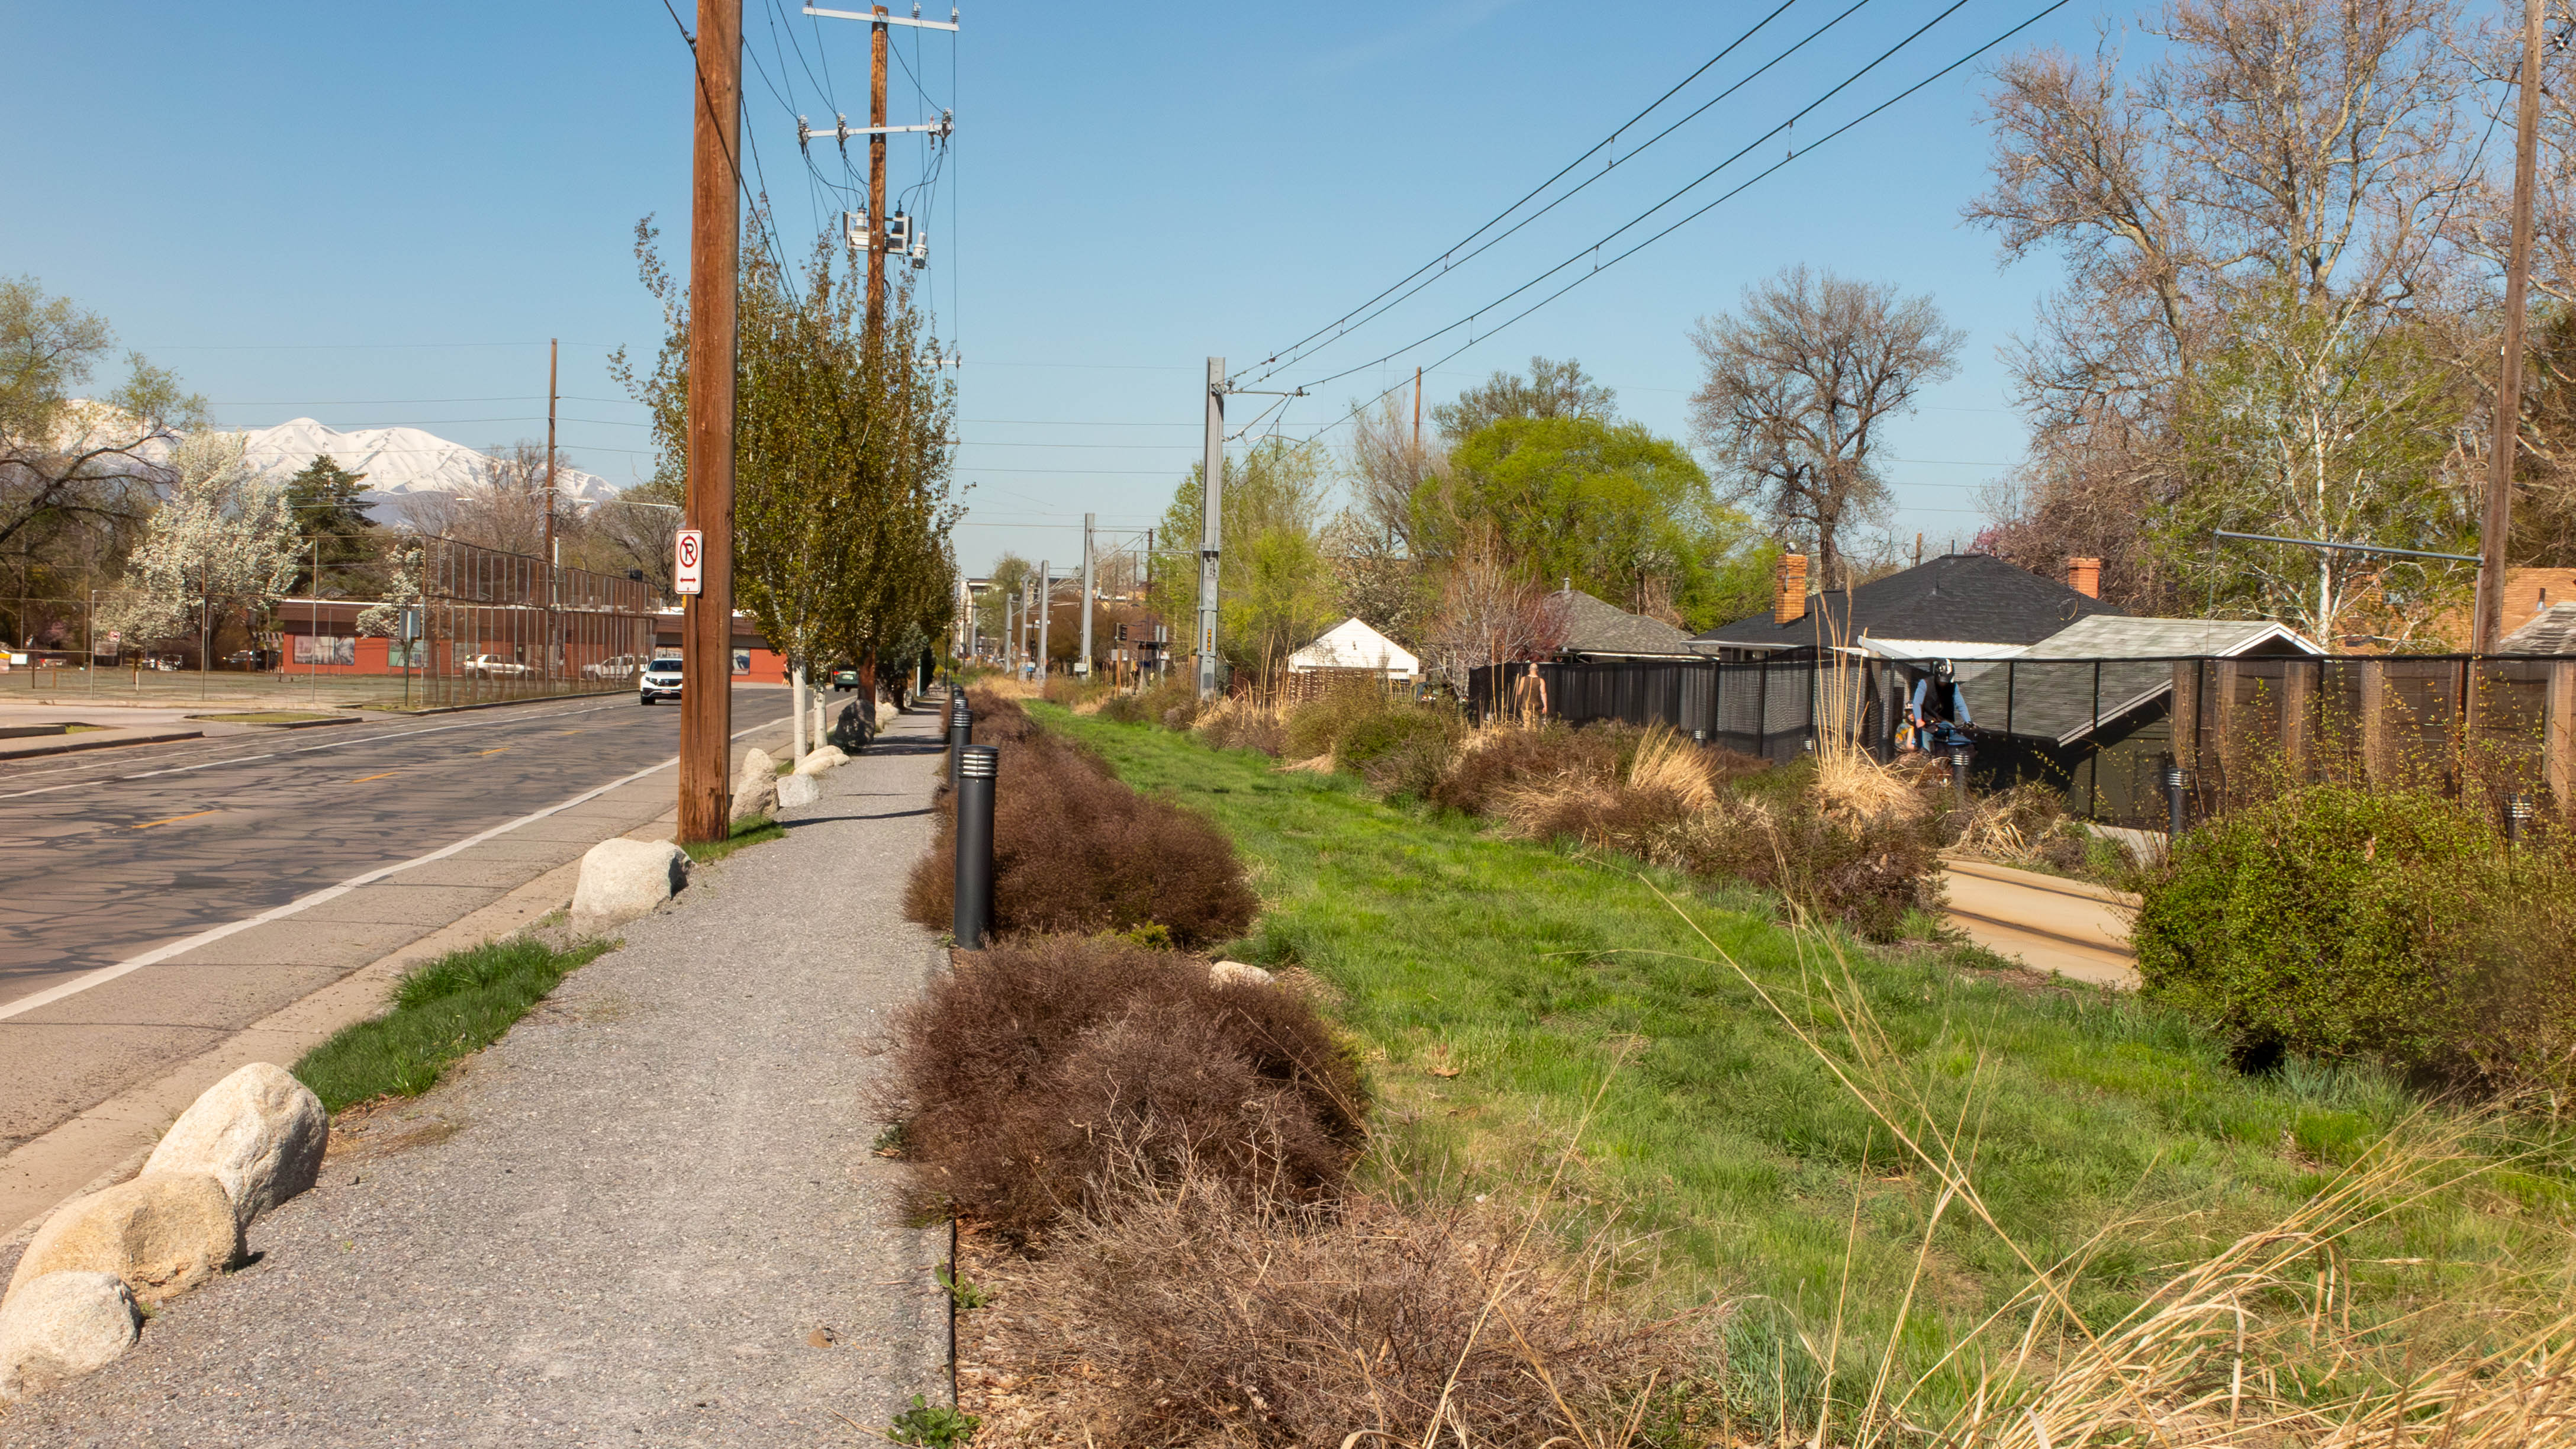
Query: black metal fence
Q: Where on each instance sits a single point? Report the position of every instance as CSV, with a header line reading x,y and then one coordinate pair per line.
x,y
2100,731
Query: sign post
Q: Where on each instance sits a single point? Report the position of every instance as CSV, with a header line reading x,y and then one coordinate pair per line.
x,y
689,567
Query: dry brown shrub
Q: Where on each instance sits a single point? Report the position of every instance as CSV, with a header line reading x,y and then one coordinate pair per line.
x,y
1045,1077
1242,722
1077,849
1493,760
1196,1320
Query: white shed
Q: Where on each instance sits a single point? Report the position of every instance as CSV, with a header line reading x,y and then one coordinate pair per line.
x,y
1351,644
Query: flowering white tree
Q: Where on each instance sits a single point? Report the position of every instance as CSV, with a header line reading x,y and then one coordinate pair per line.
x,y
223,537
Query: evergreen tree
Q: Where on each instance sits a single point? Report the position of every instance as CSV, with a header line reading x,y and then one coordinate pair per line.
x,y
324,503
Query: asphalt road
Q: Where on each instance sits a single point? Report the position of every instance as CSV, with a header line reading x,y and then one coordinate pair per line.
x,y
109,856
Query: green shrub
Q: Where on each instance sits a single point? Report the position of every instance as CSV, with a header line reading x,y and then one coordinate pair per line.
x,y
2336,921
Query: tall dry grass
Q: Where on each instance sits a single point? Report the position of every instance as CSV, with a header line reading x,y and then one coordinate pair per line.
x,y
2269,1341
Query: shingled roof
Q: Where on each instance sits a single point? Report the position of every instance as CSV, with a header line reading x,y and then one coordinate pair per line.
x,y
1968,597
1598,628
2552,631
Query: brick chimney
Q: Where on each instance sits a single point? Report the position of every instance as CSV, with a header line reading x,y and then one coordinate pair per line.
x,y
2084,576
1789,589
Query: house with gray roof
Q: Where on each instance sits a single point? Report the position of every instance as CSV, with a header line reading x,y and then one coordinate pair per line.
x,y
2552,631
2088,709
1595,629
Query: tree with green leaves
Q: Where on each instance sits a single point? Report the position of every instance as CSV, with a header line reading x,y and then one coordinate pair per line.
x,y
841,485
1625,515
1552,390
327,509
1275,587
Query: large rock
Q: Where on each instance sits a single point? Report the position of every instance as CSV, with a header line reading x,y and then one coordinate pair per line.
x,y
1237,973
61,1326
259,1132
755,787
622,879
830,757
162,1234
798,790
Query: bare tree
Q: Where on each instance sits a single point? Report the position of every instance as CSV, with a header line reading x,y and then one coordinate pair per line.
x,y
2275,151
504,507
1489,613
1798,385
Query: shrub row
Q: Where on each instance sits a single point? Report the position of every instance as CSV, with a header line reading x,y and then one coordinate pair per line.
x,y
2338,921
1058,1074
1076,850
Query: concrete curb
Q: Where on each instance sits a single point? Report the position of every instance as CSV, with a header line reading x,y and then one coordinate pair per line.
x,y
73,743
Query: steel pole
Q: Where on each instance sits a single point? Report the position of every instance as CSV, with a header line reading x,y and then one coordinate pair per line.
x,y
1211,523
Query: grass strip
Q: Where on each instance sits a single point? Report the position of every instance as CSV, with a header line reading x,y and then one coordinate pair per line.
x,y
752,831
444,1009
1491,983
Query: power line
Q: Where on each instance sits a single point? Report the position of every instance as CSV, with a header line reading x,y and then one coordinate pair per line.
x,y
1589,152
1391,296
1599,267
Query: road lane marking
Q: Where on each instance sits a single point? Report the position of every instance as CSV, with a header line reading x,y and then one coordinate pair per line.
x,y
502,750
157,955
148,824
387,775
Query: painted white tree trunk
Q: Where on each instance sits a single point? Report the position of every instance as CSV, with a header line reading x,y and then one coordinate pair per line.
x,y
797,737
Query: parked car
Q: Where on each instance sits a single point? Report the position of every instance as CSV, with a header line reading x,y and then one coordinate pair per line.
x,y
845,676
616,666
661,680
493,666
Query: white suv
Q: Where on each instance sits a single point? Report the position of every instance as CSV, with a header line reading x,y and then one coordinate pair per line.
x,y
660,680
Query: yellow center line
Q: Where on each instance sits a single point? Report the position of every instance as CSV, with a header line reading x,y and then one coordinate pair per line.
x,y
503,749
148,824
362,779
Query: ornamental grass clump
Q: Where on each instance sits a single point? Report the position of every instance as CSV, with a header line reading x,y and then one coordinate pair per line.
x,y
1077,849
1063,1073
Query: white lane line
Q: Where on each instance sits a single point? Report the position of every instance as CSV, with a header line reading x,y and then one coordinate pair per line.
x,y
156,956
300,750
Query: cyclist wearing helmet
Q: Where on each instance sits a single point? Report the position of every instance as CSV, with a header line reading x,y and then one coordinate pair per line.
x,y
1939,711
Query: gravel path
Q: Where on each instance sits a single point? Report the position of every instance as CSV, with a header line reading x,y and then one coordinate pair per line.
x,y
650,1215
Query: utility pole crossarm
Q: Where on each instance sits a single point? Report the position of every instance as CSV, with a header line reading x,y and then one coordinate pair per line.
x,y
881,18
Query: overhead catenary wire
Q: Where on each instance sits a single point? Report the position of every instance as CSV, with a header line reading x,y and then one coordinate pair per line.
x,y
1600,266
1588,153
1396,295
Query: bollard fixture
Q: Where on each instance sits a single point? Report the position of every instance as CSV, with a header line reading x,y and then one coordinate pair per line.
x,y
976,767
2519,809
961,732
2177,782
1960,750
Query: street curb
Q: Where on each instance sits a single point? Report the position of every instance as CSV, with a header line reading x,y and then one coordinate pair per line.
x,y
294,724
75,743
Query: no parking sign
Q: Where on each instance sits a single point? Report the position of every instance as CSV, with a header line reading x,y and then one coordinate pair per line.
x,y
688,570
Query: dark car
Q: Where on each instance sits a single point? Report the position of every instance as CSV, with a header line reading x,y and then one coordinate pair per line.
x,y
845,676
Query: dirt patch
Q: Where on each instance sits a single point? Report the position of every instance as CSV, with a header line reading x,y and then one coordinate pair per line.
x,y
383,1128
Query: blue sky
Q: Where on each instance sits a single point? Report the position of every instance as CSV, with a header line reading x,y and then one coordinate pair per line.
x,y
378,214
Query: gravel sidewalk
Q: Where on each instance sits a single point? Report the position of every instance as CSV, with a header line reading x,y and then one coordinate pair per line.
x,y
649,1215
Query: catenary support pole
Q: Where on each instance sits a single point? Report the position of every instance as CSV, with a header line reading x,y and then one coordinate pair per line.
x,y
1046,614
1211,524
2496,528
715,258
553,630
1082,661
977,765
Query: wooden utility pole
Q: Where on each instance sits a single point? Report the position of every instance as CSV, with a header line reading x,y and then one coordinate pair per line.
x,y
554,348
2496,529
876,173
715,261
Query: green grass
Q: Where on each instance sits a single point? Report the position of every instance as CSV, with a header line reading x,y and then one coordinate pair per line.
x,y
1754,1173
753,831
444,1009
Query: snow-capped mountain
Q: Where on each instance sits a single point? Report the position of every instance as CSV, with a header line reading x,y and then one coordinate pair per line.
x,y
397,461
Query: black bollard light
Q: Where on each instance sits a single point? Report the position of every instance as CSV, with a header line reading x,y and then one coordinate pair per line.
x,y
1960,750
976,767
2177,780
961,732
2518,810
